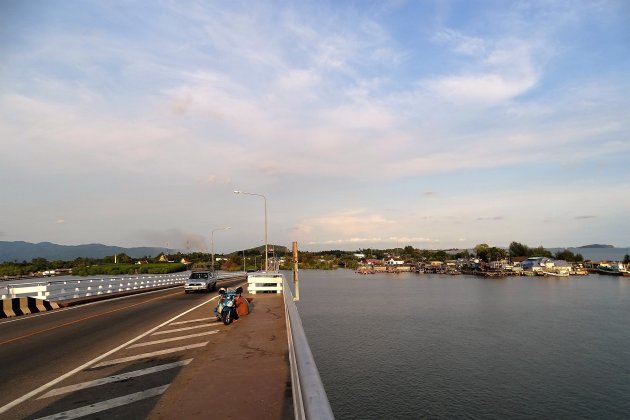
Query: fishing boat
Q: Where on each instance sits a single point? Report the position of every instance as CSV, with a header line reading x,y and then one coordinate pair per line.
x,y
612,269
556,273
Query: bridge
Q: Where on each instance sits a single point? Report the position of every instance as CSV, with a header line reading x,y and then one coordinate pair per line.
x,y
160,354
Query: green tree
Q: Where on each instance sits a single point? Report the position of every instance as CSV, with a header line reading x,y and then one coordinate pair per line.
x,y
425,255
351,263
568,256
465,255
541,252
409,252
496,254
39,264
517,249
440,256
482,251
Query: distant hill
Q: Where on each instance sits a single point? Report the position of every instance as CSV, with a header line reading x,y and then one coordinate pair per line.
x,y
25,251
596,246
279,249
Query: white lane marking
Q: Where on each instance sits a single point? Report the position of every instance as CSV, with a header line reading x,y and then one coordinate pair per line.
x,y
183,329
114,378
96,359
195,320
166,340
147,355
107,404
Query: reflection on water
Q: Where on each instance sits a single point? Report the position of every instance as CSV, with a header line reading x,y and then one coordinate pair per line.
x,y
416,346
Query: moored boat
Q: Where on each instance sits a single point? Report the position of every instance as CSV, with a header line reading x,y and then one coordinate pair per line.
x,y
612,269
556,274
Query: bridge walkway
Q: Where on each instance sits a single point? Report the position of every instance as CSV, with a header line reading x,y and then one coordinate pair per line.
x,y
242,374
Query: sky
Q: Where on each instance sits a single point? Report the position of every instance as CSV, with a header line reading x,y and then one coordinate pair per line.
x,y
360,124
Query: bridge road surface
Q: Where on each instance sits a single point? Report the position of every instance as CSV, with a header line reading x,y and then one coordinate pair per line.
x,y
158,355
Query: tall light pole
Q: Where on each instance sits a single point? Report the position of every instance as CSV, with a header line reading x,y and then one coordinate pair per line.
x,y
212,242
264,198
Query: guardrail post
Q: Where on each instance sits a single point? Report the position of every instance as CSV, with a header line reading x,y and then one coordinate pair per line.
x,y
296,280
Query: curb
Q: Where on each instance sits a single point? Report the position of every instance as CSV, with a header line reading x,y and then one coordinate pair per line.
x,y
24,306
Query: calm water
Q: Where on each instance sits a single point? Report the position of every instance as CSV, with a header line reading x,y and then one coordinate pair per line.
x,y
411,346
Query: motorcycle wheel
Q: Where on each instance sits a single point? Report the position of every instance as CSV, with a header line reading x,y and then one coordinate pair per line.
x,y
227,317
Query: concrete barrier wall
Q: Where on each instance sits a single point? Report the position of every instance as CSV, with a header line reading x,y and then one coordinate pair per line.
x,y
24,306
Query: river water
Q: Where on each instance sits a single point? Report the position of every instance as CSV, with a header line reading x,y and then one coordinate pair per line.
x,y
409,346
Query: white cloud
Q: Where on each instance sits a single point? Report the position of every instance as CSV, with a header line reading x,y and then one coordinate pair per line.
x,y
460,43
318,99
347,223
497,70
348,241
490,88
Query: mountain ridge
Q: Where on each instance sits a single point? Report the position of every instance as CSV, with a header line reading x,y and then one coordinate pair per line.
x,y
19,251
596,246
25,251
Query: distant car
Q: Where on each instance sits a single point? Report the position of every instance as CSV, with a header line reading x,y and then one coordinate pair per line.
x,y
200,281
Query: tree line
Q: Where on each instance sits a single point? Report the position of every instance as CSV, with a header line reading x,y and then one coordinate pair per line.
x,y
253,259
91,266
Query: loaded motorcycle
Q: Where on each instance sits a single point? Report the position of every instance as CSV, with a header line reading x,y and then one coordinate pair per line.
x,y
226,306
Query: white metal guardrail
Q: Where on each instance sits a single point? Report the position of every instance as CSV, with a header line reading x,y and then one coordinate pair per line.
x,y
309,396
77,288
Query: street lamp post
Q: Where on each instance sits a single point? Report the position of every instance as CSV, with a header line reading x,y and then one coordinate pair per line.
x,y
264,198
212,242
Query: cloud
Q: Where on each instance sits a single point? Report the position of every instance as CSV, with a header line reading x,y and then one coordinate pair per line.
x,y
60,221
494,218
215,180
459,42
373,241
350,223
323,100
413,240
347,241
172,239
81,137
302,109
489,87
497,71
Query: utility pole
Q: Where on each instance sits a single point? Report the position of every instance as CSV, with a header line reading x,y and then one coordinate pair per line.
x,y
265,200
296,280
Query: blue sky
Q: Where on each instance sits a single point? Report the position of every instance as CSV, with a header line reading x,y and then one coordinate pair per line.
x,y
435,124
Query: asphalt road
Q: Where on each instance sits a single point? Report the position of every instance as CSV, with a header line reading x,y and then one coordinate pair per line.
x,y
41,353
